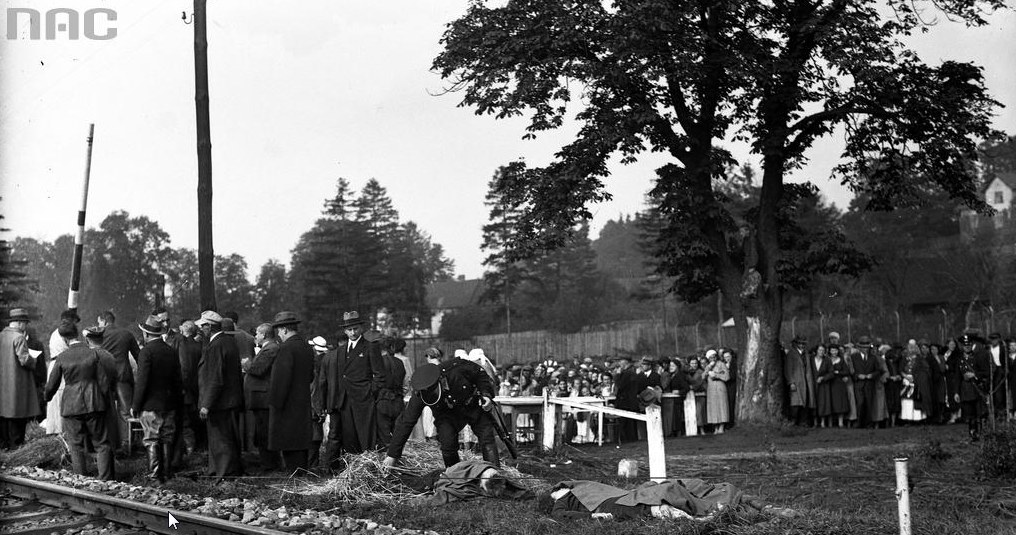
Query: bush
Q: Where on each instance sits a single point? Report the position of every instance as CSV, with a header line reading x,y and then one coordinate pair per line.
x,y
997,457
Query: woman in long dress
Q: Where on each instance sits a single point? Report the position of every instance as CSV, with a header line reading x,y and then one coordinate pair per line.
x,y
717,410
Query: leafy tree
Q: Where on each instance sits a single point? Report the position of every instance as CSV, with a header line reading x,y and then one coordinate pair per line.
x,y
233,289
678,77
998,156
504,274
181,269
271,292
16,288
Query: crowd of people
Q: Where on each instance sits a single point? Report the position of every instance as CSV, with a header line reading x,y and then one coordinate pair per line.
x,y
208,386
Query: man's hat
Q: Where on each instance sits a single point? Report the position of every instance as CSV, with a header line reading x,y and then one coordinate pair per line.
x,y
967,339
834,334
285,318
864,341
70,314
995,336
153,326
646,360
18,314
799,339
95,333
426,376
350,319
208,317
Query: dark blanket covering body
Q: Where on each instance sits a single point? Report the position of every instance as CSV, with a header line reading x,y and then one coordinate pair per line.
x,y
461,482
694,496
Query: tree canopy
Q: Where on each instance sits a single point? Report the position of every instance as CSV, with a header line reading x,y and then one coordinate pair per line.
x,y
680,78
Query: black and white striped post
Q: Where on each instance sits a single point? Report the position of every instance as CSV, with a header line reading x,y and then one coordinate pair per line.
x,y
79,239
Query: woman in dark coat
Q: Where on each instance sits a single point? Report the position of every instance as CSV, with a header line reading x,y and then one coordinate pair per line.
x,y
728,358
822,370
839,400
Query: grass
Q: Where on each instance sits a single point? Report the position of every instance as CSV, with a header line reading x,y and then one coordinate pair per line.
x,y
840,481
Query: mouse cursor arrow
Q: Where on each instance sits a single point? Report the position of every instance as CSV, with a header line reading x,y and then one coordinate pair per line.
x,y
173,521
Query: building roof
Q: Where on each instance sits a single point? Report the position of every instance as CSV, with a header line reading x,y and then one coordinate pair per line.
x,y
1007,177
445,295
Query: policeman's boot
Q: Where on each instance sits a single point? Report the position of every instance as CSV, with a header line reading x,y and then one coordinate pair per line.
x,y
490,454
167,466
154,461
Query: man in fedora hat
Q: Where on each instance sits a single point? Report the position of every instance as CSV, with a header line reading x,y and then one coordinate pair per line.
x,y
19,398
800,378
220,397
158,390
350,378
459,393
289,426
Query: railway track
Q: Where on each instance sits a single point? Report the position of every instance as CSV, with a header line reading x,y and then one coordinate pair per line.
x,y
43,508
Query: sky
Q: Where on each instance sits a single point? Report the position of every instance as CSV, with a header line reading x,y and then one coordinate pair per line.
x,y
301,94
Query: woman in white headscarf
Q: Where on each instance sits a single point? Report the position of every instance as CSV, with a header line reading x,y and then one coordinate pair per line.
x,y
717,375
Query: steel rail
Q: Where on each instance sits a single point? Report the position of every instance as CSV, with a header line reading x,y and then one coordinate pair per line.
x,y
126,512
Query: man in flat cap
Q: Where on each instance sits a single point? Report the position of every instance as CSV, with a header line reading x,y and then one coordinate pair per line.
x,y
459,393
19,398
350,378
220,396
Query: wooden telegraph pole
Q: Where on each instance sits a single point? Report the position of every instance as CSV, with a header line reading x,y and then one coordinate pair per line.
x,y
206,253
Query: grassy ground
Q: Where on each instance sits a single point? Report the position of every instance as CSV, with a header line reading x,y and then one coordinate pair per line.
x,y
839,481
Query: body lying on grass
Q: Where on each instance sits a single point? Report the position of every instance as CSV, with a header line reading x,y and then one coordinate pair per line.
x,y
676,498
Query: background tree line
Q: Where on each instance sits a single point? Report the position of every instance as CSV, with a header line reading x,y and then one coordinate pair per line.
x,y
877,261
357,256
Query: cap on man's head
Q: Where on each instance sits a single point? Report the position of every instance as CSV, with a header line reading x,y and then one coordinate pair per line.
x,y
799,339
17,314
94,333
208,317
966,340
995,336
425,377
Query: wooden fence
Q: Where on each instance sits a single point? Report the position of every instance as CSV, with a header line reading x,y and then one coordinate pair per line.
x,y
653,338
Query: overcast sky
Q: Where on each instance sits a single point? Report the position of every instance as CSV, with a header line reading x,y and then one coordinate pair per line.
x,y
301,94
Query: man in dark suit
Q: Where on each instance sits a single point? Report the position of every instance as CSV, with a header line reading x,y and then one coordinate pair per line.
x,y
866,372
389,398
627,398
122,345
220,397
350,378
84,402
158,389
974,375
289,393
190,431
257,374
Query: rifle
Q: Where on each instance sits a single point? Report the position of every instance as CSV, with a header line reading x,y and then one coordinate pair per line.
x,y
502,430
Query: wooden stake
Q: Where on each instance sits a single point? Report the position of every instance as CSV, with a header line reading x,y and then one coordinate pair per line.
x,y
903,495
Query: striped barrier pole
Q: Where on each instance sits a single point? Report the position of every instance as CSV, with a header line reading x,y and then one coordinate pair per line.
x,y
79,239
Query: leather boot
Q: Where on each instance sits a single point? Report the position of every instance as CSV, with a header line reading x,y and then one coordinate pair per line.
x,y
167,466
491,456
154,462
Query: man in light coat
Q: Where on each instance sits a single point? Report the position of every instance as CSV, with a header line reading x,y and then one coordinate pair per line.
x,y
800,380
19,398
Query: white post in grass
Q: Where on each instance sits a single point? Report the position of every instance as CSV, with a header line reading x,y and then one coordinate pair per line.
x,y
654,436
903,494
551,413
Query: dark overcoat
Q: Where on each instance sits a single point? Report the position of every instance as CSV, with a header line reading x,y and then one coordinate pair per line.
x,y
220,381
189,350
159,384
289,413
257,374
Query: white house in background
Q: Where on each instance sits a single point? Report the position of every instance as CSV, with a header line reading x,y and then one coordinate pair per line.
x,y
998,193
448,296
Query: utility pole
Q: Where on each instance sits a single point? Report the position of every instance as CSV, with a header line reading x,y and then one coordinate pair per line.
x,y
206,253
